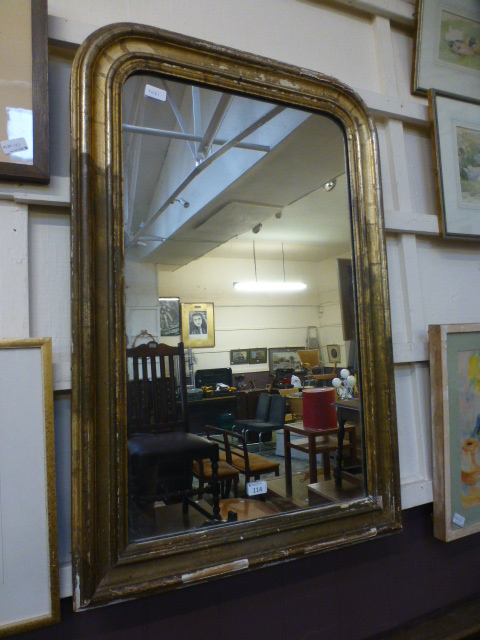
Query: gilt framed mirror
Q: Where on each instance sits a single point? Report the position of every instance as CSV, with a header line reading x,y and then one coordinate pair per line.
x,y
186,156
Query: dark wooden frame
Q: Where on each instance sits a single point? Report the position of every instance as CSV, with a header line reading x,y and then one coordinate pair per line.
x,y
235,351
273,350
106,567
250,357
39,171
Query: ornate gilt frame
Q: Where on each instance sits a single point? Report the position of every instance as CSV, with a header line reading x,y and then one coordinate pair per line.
x,y
105,566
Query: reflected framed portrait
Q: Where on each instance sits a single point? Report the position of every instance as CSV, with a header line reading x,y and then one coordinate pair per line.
x,y
447,51
257,356
198,324
455,387
169,311
333,351
456,136
24,143
239,356
284,358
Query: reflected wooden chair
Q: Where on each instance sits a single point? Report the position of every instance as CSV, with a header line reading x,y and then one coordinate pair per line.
x,y
236,454
227,474
310,360
160,449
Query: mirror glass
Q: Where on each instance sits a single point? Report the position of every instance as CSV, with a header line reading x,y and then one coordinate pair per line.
x,y
221,189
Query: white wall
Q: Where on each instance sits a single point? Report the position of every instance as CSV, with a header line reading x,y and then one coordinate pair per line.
x,y
242,320
431,280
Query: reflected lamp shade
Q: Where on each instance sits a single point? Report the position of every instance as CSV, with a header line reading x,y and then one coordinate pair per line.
x,y
318,412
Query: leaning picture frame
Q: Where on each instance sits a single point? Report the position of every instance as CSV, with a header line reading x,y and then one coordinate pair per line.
x,y
333,351
455,393
456,145
198,324
24,131
447,49
29,581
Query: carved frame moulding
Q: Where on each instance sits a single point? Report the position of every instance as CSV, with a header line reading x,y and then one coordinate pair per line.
x,y
106,566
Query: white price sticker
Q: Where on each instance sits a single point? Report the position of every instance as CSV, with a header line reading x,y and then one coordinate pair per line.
x,y
458,520
11,146
256,488
155,93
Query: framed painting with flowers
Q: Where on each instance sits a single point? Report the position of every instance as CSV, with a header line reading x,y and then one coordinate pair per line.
x,y
455,385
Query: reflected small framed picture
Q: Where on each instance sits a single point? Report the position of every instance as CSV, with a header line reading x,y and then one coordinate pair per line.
x,y
198,324
239,356
169,316
333,351
257,356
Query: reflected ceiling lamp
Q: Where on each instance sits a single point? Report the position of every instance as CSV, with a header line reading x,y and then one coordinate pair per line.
x,y
265,286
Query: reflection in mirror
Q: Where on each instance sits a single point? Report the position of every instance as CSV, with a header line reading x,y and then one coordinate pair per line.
x,y
264,388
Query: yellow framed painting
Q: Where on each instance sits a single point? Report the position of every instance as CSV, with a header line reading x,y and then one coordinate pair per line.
x,y
198,324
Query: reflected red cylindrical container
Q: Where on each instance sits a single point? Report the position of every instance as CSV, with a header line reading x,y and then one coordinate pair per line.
x,y
318,412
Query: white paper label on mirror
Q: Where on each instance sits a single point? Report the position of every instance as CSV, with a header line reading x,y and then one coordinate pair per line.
x,y
12,146
155,93
256,488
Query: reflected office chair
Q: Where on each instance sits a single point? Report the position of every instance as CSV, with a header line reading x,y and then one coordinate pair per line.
x,y
274,420
160,449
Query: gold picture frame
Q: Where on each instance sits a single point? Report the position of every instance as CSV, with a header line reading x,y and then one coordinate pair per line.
x,y
198,324
27,434
25,39
333,351
107,566
455,393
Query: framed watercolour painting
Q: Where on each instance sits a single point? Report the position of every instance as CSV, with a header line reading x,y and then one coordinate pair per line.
x,y
456,141
239,356
24,144
447,52
284,358
29,587
257,356
198,325
455,386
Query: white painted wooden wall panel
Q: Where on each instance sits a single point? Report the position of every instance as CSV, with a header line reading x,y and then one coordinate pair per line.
x,y
49,288
14,321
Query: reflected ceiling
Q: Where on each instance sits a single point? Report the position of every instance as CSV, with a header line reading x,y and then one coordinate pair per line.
x,y
205,168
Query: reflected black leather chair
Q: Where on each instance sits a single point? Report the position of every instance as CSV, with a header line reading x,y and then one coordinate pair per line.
x,y
160,449
274,420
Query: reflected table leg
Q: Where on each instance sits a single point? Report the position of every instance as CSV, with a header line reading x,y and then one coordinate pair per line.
x,y
288,462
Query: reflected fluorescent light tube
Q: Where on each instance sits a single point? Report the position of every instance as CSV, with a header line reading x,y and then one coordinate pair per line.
x,y
263,286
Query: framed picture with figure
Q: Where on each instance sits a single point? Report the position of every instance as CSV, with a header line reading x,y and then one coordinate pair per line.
x,y
169,316
198,324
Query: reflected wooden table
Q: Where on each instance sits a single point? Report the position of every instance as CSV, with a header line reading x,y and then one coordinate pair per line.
x,y
347,411
318,441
